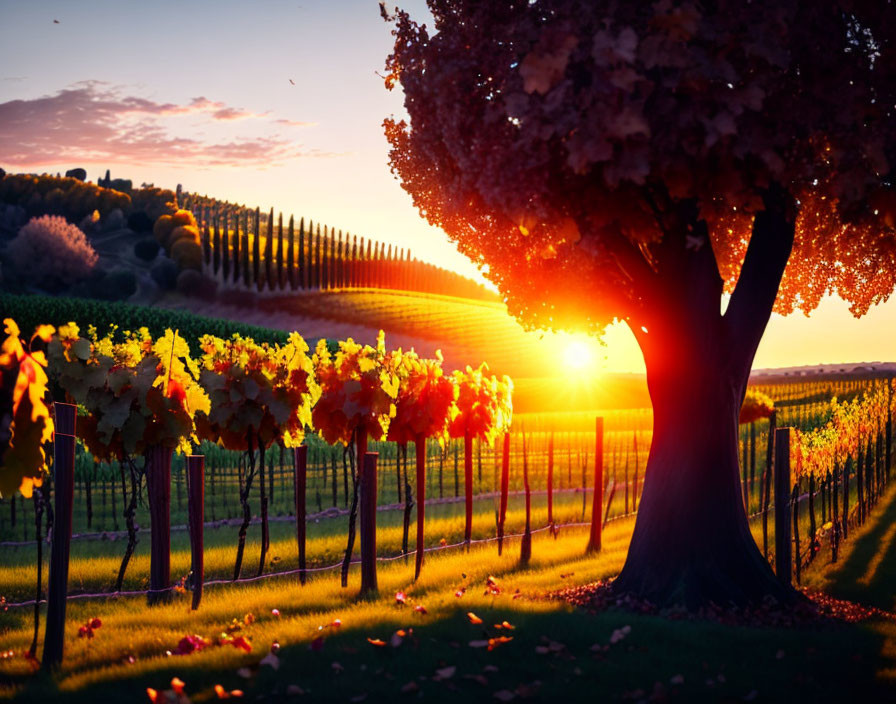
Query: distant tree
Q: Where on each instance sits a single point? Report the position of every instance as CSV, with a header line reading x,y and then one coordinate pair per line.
x,y
639,162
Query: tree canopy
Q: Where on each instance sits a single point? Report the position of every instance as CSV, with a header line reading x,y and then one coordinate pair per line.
x,y
554,140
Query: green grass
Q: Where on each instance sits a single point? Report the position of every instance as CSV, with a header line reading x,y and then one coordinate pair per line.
x,y
691,661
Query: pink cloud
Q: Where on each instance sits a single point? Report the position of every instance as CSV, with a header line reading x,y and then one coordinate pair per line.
x,y
294,123
91,122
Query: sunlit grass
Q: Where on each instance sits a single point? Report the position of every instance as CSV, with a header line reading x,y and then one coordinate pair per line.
x,y
834,663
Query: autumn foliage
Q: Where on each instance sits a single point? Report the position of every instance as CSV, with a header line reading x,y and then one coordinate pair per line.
x,y
548,139
138,393
425,404
756,405
358,388
25,420
484,407
266,390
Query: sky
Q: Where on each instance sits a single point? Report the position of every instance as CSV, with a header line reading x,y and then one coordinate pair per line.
x,y
271,104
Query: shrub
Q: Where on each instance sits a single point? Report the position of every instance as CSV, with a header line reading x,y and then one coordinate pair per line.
x,y
187,233
117,285
190,283
51,253
140,222
164,273
187,254
146,249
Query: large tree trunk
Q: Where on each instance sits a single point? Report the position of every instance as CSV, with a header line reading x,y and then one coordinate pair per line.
x,y
692,543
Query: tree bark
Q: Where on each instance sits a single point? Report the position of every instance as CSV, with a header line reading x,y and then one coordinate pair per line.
x,y
692,543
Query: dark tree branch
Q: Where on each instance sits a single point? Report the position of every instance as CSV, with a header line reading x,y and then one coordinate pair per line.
x,y
760,277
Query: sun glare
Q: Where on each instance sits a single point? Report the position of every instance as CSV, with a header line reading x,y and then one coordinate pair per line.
x,y
578,355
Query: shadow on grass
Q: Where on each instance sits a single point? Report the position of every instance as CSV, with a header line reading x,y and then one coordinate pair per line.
x,y
554,653
867,574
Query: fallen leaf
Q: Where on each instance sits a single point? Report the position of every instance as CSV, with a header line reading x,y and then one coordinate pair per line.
x,y
479,679
504,695
377,642
474,619
495,642
271,661
152,694
336,666
397,639
410,687
317,644
359,697
677,679
445,673
177,685
244,672
294,690
478,643
619,634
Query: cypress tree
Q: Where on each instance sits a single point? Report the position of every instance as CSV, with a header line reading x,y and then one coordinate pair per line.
x,y
225,245
362,265
256,250
377,265
216,246
324,274
206,244
340,265
291,255
353,272
281,283
318,282
303,267
387,270
368,269
269,253
245,262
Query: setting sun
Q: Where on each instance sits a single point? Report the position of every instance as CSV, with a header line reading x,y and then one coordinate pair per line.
x,y
578,355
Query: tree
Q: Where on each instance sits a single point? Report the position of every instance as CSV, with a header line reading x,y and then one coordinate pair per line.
x,y
638,163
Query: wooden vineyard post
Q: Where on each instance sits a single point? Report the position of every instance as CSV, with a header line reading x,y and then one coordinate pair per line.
x,y
597,501
526,543
158,484
57,582
860,484
835,515
300,469
767,479
888,440
505,486
468,486
196,510
846,468
795,502
782,505
420,455
551,484
368,523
